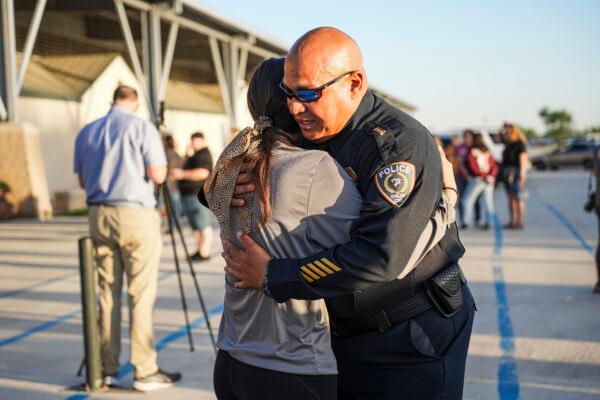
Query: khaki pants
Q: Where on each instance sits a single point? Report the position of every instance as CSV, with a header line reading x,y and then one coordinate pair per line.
x,y
127,240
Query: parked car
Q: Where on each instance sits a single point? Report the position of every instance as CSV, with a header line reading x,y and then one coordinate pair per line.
x,y
575,154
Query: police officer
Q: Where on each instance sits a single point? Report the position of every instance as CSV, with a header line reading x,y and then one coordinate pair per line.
x,y
398,333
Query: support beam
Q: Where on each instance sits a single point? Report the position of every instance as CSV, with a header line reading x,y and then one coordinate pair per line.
x,y
155,58
216,56
171,16
145,51
32,33
8,61
234,55
133,55
169,52
242,67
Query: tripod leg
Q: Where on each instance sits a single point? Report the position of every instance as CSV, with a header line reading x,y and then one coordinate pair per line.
x,y
170,215
168,200
80,369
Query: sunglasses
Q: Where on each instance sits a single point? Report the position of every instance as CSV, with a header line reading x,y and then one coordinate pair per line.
x,y
310,95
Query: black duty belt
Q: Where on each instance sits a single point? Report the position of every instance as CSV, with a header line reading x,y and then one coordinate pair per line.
x,y
442,292
383,320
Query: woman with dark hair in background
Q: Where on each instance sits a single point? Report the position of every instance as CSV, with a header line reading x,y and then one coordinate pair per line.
x,y
483,170
303,202
514,171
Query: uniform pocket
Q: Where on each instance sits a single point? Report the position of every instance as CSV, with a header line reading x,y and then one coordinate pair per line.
x,y
432,333
420,340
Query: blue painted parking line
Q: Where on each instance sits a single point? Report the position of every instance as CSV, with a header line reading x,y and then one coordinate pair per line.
x,y
161,345
497,234
38,328
570,227
508,379
13,293
49,324
79,396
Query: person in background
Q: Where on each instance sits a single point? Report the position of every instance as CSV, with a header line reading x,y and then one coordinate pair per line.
x,y
118,159
454,153
461,152
483,169
596,199
195,169
514,165
173,161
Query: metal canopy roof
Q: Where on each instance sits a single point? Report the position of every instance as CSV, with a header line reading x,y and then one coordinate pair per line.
x,y
207,47
92,26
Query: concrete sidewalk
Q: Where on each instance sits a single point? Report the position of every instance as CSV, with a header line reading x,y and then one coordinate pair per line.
x,y
536,335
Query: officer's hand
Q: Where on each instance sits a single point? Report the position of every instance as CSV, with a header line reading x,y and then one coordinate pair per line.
x,y
244,184
248,265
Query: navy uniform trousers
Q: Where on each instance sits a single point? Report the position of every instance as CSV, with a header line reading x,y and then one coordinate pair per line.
x,y
421,358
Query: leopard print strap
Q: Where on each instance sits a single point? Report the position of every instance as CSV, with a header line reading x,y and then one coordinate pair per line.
x,y
223,179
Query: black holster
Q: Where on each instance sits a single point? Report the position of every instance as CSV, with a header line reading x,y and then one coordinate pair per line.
x,y
444,290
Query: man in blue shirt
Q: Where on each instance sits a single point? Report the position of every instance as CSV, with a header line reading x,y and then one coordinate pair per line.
x,y
119,158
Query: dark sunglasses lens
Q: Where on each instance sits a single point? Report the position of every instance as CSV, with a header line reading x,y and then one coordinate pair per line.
x,y
287,91
307,95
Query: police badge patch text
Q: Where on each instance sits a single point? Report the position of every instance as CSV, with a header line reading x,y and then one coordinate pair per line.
x,y
396,182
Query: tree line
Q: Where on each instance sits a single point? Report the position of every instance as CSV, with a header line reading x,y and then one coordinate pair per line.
x,y
559,125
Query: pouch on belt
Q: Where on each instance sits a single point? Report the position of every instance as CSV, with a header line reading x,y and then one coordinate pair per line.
x,y
444,290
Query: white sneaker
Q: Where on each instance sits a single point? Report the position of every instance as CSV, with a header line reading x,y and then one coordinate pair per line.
x,y
159,380
110,380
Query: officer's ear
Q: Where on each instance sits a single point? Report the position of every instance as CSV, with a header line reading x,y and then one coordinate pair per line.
x,y
358,84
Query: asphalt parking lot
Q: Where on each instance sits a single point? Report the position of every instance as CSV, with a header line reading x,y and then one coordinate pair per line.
x,y
536,334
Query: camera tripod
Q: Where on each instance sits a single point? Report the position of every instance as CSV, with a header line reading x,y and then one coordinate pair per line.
x,y
173,221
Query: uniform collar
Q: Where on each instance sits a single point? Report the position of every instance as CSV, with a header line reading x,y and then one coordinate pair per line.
x,y
355,122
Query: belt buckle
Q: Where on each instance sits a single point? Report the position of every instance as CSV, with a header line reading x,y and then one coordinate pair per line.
x,y
383,322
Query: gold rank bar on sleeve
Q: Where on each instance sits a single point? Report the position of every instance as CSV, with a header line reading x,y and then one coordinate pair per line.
x,y
317,269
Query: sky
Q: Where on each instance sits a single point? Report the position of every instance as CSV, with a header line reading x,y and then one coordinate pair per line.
x,y
461,63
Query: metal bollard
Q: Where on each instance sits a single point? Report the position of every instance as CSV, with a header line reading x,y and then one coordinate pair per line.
x,y
90,315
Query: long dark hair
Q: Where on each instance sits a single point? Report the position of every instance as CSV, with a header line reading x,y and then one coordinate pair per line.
x,y
266,99
478,143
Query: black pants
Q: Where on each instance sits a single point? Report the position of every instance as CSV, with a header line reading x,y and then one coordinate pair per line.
x,y
422,358
235,380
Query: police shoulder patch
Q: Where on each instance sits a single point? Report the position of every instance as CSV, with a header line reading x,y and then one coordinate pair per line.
x,y
396,182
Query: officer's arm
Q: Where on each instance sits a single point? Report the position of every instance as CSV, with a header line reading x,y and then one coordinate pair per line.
x,y
382,238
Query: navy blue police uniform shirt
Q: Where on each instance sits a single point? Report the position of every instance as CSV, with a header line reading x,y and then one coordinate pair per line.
x,y
396,166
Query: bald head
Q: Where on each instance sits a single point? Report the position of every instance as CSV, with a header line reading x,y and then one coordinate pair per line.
x,y
326,50
318,57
